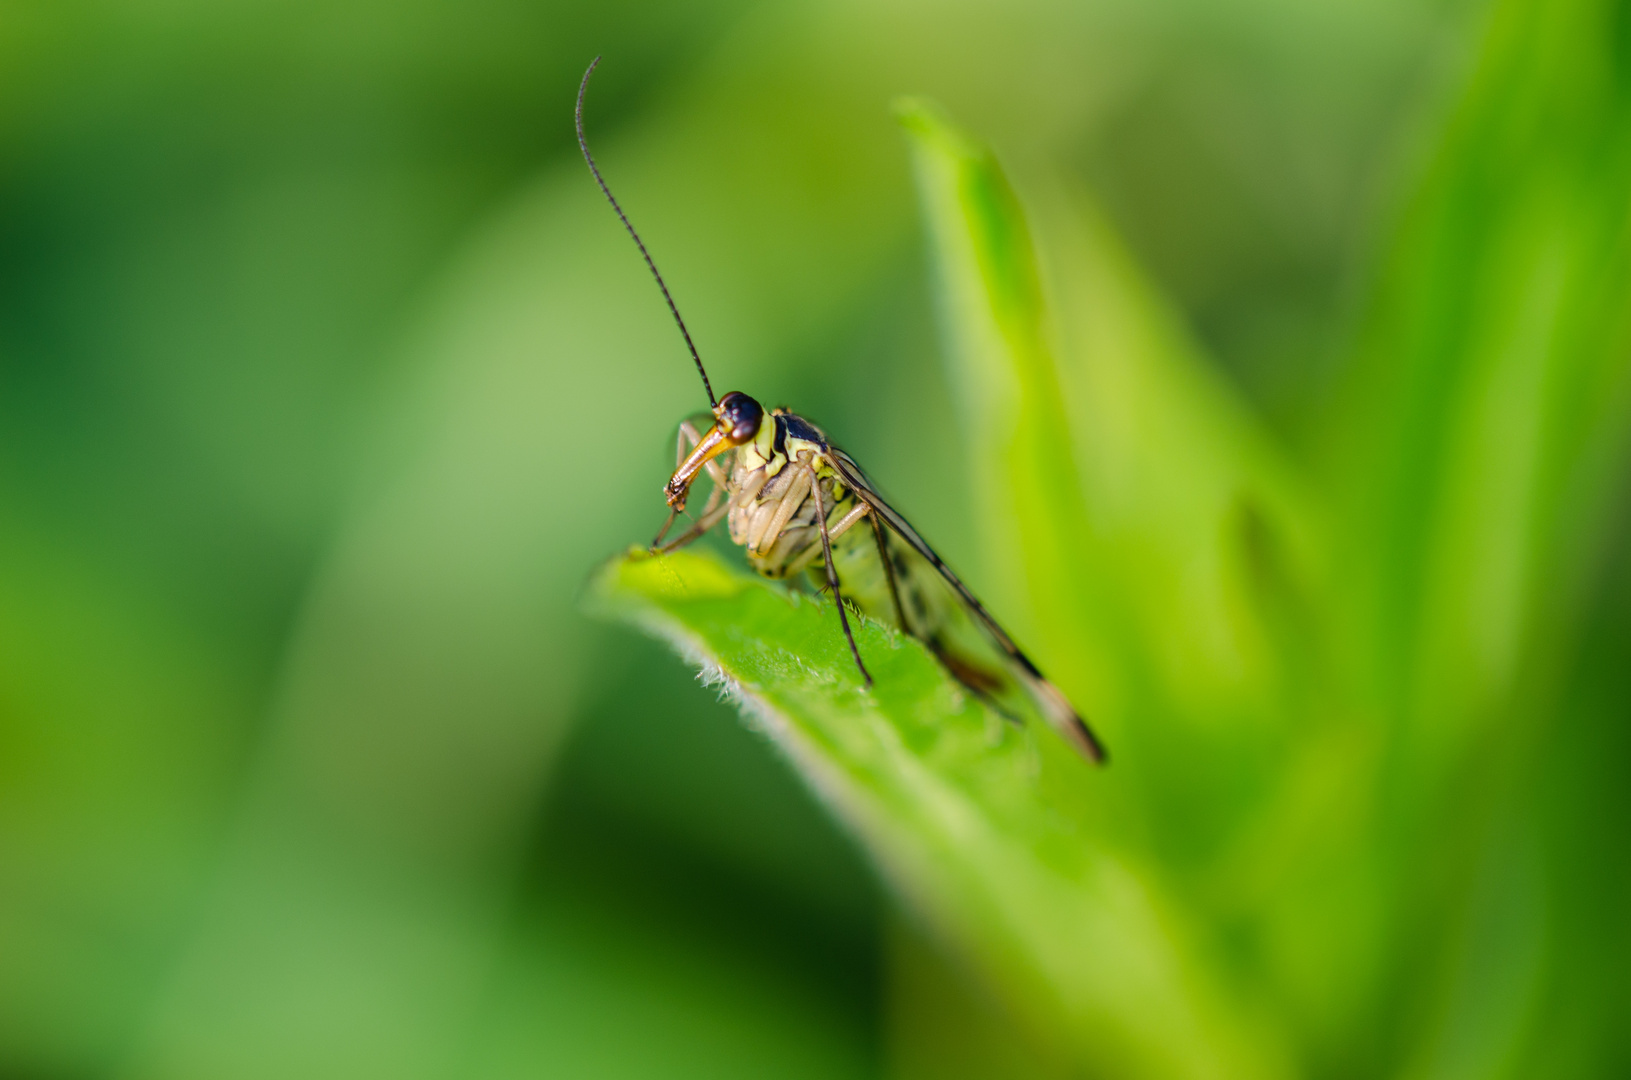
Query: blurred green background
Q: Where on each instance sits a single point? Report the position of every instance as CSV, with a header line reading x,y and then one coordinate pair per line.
x,y
326,378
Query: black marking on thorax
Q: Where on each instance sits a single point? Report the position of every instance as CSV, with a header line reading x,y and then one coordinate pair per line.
x,y
799,428
778,444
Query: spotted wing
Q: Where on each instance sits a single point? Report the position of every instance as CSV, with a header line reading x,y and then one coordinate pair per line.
x,y
947,617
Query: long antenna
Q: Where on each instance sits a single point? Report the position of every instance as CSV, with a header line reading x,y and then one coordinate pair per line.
x,y
583,144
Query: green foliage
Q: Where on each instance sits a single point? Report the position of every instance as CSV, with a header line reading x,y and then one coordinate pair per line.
x,y
1295,452
1325,843
999,838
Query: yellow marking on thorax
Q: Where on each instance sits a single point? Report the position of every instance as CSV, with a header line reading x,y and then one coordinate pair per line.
x,y
758,453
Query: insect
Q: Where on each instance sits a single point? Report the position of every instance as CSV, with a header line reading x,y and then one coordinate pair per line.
x,y
792,498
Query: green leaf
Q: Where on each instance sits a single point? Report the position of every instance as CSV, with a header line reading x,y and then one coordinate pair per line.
x,y
994,835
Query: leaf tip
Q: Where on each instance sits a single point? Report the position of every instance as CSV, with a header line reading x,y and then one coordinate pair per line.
x,y
933,131
640,578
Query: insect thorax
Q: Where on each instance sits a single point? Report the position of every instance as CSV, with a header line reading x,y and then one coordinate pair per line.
x,y
773,511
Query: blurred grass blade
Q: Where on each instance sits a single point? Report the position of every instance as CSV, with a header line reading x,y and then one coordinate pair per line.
x,y
1203,521
1485,446
986,831
1490,413
1253,778
1111,470
1167,546
1031,517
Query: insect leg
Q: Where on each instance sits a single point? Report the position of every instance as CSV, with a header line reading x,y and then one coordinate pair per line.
x,y
689,432
707,509
832,574
889,572
763,533
706,522
844,523
657,540
843,526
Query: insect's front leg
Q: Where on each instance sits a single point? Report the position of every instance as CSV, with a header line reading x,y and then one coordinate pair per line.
x,y
768,522
689,433
709,519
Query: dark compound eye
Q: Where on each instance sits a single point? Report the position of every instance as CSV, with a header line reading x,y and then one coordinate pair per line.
x,y
739,416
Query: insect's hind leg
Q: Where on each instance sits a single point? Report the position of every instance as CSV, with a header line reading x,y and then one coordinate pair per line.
x,y
889,573
832,574
834,532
